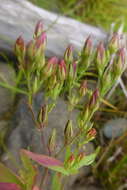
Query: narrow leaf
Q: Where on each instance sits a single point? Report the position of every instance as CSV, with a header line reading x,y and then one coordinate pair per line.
x,y
47,161
42,159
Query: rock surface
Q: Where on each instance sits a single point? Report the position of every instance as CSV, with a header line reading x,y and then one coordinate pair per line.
x,y
7,74
115,128
61,30
24,132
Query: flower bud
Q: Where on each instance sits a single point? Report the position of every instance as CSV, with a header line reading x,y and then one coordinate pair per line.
x,y
50,66
83,88
87,49
100,59
85,57
121,59
80,156
68,131
100,53
51,82
72,70
20,49
30,50
91,134
35,85
41,41
43,116
114,43
94,99
71,160
52,141
68,55
56,90
106,81
62,70
38,29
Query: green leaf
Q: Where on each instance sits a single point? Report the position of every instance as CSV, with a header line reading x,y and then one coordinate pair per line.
x,y
87,160
7,176
28,172
60,169
47,161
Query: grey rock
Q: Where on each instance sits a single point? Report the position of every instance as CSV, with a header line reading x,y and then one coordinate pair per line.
x,y
115,127
61,30
24,133
7,74
4,125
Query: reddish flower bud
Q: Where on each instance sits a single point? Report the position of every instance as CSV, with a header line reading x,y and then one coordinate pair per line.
x,y
101,61
80,156
50,66
20,48
20,43
85,57
91,133
100,53
41,40
83,88
71,160
68,55
38,29
62,70
30,50
87,49
94,98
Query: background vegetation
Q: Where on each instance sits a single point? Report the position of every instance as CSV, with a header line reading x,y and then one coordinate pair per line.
x,y
100,13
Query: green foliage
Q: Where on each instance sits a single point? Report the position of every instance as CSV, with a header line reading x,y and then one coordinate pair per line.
x,y
56,185
95,12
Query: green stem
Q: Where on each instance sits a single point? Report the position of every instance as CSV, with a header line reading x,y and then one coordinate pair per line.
x,y
5,85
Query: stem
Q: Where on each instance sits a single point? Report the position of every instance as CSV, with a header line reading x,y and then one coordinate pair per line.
x,y
5,85
33,116
44,178
69,143
103,155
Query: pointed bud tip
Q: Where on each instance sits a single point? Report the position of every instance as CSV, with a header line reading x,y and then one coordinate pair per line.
x,y
92,133
94,98
38,28
20,42
41,40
